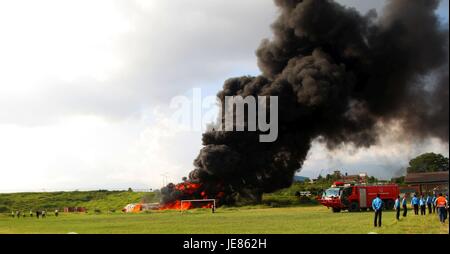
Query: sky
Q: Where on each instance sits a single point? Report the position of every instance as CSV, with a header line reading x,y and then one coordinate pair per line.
x,y
86,89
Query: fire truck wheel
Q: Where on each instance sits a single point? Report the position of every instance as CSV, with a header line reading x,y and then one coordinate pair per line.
x,y
336,210
354,207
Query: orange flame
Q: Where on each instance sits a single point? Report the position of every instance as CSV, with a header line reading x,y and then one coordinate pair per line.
x,y
188,189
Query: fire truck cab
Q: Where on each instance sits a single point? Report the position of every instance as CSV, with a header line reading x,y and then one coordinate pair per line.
x,y
355,198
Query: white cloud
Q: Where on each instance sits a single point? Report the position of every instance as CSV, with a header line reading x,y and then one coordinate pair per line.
x,y
63,40
85,86
81,80
112,58
90,153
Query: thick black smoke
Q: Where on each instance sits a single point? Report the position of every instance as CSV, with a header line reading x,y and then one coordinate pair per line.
x,y
338,75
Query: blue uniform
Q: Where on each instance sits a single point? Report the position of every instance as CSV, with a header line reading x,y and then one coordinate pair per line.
x,y
429,200
397,204
423,205
404,202
421,202
415,203
397,208
377,204
433,203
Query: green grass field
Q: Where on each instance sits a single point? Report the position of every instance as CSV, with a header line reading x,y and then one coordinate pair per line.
x,y
251,220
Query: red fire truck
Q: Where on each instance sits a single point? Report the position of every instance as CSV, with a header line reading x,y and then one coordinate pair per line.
x,y
355,198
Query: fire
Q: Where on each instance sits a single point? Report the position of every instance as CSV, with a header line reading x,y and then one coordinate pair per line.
x,y
190,191
185,205
188,188
177,205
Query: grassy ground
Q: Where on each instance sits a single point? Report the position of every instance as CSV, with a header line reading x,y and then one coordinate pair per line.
x,y
303,220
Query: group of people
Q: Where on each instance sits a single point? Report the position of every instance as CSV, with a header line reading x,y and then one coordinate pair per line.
x,y
435,204
39,214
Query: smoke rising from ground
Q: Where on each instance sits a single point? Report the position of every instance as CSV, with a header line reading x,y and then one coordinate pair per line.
x,y
339,75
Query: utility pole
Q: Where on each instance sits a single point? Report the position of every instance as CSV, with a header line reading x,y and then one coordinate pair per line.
x,y
165,178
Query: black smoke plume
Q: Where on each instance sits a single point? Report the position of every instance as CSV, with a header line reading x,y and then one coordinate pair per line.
x,y
339,76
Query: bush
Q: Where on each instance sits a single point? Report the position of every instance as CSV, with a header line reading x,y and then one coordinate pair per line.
x,y
4,209
305,200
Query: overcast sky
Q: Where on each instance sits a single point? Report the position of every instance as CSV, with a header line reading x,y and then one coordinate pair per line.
x,y
85,88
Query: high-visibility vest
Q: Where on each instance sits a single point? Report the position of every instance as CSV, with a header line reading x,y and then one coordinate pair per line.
x,y
441,202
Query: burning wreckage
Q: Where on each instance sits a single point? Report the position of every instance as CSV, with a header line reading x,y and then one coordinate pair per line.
x,y
189,196
341,78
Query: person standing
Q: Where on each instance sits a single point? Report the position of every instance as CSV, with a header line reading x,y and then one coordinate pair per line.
x,y
397,206
448,210
415,204
377,205
441,205
422,205
434,202
429,202
405,206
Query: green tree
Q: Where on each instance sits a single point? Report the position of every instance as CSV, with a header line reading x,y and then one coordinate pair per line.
x,y
372,179
428,162
398,180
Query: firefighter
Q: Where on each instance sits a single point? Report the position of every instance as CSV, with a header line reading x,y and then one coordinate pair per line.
x,y
377,205
434,202
429,202
441,205
13,214
448,210
415,204
422,205
56,213
405,205
397,206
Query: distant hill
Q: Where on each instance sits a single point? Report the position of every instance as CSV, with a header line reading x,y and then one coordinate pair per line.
x,y
102,200
300,179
